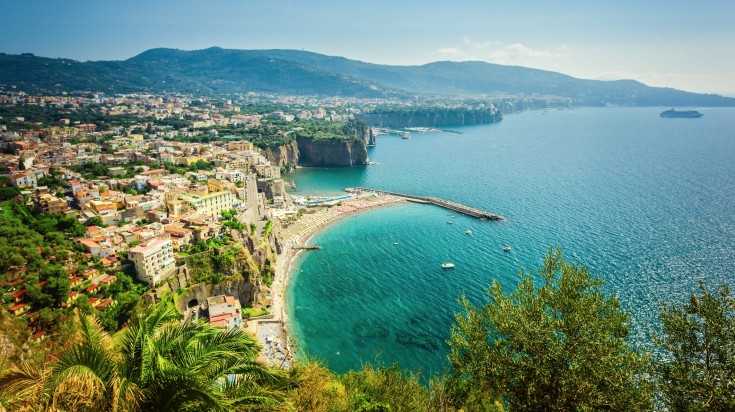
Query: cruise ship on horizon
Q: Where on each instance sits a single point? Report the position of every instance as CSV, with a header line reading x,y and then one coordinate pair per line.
x,y
684,113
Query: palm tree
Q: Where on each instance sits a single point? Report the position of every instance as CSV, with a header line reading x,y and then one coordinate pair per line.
x,y
84,378
193,366
160,364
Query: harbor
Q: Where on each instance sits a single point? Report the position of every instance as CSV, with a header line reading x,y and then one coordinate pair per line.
x,y
446,204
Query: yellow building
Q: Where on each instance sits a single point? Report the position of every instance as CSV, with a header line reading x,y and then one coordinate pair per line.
x,y
102,207
210,204
215,185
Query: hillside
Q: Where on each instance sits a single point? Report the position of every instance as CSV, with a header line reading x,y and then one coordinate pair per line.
x,y
216,71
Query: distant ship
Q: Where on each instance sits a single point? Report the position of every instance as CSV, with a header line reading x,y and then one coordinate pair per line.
x,y
683,113
447,265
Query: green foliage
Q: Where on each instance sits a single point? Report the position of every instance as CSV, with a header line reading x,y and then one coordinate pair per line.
x,y
561,346
253,228
57,283
92,170
267,229
333,131
21,244
95,221
231,221
698,373
252,312
268,272
159,363
7,193
372,389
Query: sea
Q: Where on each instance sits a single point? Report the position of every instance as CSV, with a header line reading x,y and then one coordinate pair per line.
x,y
646,203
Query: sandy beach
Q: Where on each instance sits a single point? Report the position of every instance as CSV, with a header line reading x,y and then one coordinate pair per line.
x,y
273,332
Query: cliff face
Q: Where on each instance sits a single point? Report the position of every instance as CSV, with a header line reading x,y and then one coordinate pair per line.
x,y
365,133
283,155
331,153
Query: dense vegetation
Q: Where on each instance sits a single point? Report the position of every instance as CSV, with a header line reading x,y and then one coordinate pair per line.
x,y
37,249
37,117
430,117
557,342
159,363
335,131
217,71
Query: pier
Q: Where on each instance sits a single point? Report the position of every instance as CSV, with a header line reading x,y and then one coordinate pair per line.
x,y
446,204
302,247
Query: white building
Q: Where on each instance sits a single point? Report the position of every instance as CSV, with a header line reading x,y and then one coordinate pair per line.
x,y
224,312
154,260
24,179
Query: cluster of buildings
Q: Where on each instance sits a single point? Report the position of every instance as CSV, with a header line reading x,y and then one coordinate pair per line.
x,y
143,196
139,207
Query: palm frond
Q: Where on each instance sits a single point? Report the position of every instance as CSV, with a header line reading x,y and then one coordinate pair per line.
x,y
25,382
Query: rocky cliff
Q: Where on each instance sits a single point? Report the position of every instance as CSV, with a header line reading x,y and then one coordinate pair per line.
x,y
283,155
331,153
364,132
239,265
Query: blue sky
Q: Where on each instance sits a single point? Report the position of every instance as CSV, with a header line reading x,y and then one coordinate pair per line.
x,y
682,44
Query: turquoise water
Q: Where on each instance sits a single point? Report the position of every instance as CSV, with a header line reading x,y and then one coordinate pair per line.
x,y
647,203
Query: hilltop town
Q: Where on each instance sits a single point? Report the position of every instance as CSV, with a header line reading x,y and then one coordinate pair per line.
x,y
133,198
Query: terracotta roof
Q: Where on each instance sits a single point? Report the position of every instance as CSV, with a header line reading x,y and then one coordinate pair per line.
x,y
108,279
18,306
223,316
89,243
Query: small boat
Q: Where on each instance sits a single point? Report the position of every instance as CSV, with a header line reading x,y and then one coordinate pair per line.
x,y
449,223
447,265
506,248
469,232
395,243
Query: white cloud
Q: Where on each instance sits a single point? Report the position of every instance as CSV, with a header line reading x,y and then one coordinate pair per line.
x,y
496,52
519,52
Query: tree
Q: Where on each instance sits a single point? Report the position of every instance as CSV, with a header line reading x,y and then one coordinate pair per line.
x,y
160,363
57,285
699,340
560,346
95,221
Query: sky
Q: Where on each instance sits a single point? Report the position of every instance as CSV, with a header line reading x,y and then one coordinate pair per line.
x,y
686,45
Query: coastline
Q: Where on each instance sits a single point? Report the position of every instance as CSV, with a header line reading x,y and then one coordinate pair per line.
x,y
273,333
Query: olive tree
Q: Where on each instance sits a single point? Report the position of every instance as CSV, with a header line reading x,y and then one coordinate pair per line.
x,y
560,345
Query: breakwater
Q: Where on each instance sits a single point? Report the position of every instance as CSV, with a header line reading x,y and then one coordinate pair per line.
x,y
446,204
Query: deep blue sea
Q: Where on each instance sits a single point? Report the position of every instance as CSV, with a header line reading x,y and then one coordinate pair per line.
x,y
647,203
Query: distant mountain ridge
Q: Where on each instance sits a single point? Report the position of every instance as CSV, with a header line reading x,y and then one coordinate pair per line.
x,y
217,71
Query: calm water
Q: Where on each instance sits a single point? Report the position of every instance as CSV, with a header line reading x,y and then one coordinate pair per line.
x,y
645,202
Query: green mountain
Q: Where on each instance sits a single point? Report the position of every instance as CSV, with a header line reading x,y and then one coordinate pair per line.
x,y
216,70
